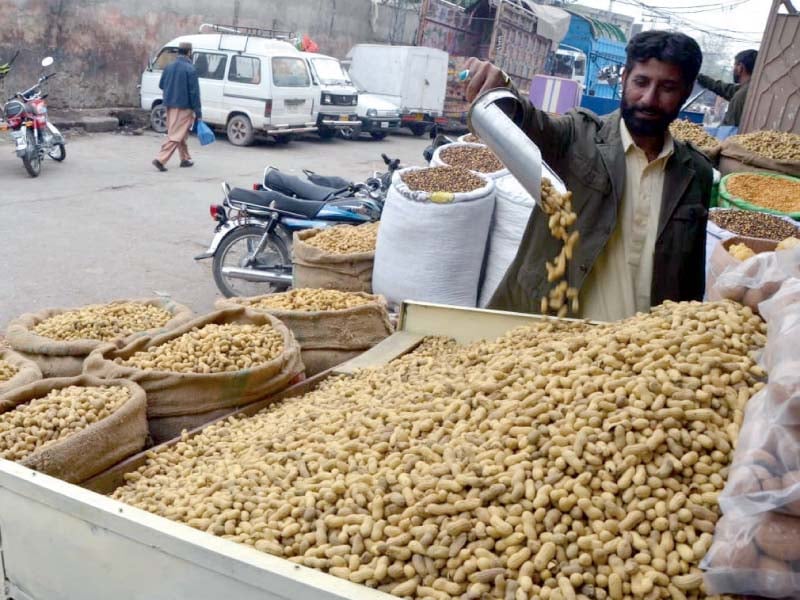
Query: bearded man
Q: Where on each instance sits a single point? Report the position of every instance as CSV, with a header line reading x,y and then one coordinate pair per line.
x,y
641,197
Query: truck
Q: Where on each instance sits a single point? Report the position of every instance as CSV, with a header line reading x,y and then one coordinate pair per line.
x,y
413,78
593,53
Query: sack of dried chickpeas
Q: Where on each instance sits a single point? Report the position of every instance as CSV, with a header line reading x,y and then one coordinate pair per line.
x,y
335,258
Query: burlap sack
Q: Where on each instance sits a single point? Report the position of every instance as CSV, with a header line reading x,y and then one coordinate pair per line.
x,y
736,158
65,359
94,449
172,394
329,338
28,371
315,268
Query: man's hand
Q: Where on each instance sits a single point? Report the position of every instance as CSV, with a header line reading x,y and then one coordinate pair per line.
x,y
483,76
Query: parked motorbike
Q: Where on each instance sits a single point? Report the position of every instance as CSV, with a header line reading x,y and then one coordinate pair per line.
x,y
34,135
252,243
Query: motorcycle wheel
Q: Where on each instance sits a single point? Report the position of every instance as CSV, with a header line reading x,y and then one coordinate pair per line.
x,y
32,159
233,252
58,152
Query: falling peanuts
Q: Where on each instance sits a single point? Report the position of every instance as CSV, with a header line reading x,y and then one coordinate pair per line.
x,y
561,300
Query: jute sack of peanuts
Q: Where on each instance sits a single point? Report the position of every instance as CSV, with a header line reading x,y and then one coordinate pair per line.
x,y
316,267
16,370
761,150
330,326
225,359
113,433
59,339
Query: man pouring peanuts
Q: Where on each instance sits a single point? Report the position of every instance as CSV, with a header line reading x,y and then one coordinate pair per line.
x,y
641,197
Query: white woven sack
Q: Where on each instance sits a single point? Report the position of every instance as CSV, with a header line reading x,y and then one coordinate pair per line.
x,y
436,160
432,251
513,207
716,234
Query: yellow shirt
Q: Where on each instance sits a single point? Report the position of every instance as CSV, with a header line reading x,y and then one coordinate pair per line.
x,y
619,284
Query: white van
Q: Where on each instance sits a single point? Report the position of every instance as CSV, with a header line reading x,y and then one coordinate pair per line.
x,y
250,83
337,98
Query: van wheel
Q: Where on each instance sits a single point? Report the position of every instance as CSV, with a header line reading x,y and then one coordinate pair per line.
x,y
284,139
158,118
417,129
348,133
240,130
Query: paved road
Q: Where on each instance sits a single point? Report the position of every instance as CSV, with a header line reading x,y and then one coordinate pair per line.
x,y
105,224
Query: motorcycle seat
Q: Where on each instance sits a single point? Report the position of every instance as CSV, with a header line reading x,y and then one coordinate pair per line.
x,y
276,200
291,184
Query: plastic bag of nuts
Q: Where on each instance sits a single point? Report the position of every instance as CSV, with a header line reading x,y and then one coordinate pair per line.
x,y
59,339
757,555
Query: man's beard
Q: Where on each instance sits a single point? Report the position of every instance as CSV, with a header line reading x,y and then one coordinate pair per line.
x,y
645,127
736,77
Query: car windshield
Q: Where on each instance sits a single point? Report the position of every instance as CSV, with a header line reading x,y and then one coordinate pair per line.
x,y
330,71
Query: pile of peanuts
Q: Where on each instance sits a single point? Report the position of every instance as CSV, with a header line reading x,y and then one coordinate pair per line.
x,y
212,348
741,251
454,180
472,139
561,461
346,239
776,145
103,322
53,417
561,298
686,131
310,300
7,370
472,158
775,193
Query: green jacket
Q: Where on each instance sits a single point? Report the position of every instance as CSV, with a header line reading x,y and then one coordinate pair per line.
x,y
586,152
734,93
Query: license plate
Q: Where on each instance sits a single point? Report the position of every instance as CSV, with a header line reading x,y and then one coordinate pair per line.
x,y
344,118
418,117
21,143
295,107
385,125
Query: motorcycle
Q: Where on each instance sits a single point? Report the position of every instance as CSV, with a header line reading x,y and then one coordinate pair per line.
x,y
33,134
252,243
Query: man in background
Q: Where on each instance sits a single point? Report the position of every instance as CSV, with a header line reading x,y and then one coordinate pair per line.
x,y
735,93
182,100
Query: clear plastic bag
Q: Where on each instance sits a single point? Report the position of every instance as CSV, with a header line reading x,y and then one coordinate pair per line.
x,y
758,278
765,473
781,356
756,555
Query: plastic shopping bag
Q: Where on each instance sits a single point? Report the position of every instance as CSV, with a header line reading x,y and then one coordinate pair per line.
x,y
204,133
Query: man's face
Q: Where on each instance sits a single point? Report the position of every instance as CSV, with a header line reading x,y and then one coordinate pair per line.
x,y
737,72
652,95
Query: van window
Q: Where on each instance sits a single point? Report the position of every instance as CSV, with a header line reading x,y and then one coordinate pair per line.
x,y
245,69
210,66
290,72
165,58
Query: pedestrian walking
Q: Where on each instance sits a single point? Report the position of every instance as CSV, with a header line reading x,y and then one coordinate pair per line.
x,y
182,100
